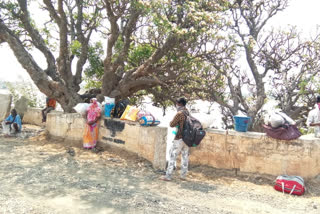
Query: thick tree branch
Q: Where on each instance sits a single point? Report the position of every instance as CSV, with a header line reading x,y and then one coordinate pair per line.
x,y
37,40
26,60
64,65
52,11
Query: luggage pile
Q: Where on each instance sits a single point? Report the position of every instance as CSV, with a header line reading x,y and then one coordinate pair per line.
x,y
124,111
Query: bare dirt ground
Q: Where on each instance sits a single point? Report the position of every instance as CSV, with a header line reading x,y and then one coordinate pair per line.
x,y
40,176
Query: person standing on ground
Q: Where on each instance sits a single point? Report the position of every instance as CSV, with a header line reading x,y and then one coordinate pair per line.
x,y
90,136
314,118
178,145
12,124
50,105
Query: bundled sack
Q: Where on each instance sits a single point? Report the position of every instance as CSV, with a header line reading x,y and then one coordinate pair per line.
x,y
278,119
290,184
290,132
281,127
119,108
82,108
205,119
143,113
148,121
130,113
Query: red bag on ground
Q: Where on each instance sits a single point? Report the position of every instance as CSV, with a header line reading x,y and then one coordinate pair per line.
x,y
290,184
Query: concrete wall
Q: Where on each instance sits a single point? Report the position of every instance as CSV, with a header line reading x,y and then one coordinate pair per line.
x,y
34,116
247,152
5,105
67,126
148,142
257,153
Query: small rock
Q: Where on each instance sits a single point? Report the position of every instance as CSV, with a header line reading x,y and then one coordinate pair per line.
x,y
71,151
97,149
114,160
315,207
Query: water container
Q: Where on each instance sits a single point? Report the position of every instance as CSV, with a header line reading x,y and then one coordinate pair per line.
x,y
241,123
148,121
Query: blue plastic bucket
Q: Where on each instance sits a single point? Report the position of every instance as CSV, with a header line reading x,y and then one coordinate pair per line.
x,y
241,123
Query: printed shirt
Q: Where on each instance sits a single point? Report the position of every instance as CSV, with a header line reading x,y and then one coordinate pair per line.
x,y
178,120
314,117
17,120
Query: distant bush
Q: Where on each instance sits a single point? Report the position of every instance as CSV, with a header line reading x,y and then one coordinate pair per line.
x,y
28,90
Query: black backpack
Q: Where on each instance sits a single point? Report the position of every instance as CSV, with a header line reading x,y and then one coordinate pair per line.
x,y
192,132
119,108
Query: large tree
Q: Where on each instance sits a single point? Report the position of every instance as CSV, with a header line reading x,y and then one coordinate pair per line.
x,y
64,24
168,30
250,64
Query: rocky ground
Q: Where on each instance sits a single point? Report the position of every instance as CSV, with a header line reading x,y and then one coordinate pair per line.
x,y
41,176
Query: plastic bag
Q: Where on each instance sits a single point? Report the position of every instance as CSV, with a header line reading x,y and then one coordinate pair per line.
x,y
81,108
143,113
108,100
205,119
108,106
130,113
148,121
5,128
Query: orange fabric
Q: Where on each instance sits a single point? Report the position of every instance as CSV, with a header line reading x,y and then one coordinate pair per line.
x,y
90,136
52,103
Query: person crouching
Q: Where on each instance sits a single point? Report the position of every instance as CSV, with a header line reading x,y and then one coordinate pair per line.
x,y
12,124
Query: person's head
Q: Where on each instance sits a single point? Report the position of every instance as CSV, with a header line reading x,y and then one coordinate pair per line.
x,y
181,102
93,100
13,112
318,99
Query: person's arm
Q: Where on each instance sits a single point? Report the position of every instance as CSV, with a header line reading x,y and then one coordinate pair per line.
x,y
9,119
311,121
96,120
177,118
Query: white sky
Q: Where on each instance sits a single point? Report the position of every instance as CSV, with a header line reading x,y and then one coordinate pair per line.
x,y
302,13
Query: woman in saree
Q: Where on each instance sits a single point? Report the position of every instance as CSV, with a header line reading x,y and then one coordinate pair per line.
x,y
91,131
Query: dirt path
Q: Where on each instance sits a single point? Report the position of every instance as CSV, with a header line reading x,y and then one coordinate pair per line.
x,y
40,177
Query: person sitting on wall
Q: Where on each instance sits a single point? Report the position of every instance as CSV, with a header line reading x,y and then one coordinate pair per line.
x,y
12,124
314,118
280,126
50,105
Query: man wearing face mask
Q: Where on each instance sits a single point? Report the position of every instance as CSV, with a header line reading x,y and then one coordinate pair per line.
x,y
314,118
178,144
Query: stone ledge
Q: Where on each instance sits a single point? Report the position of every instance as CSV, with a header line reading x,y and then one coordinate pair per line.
x,y
146,142
258,135
34,116
249,152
